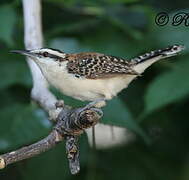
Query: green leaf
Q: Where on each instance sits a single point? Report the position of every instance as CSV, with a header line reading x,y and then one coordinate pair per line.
x,y
68,45
14,71
168,88
8,20
116,113
20,125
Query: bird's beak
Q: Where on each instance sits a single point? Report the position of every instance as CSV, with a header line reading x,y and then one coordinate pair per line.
x,y
24,52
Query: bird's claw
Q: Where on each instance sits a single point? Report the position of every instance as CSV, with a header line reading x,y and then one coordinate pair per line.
x,y
59,104
90,106
99,111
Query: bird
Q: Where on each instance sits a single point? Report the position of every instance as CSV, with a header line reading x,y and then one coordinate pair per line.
x,y
91,76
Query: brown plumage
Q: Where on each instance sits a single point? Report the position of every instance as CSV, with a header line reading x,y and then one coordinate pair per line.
x,y
96,65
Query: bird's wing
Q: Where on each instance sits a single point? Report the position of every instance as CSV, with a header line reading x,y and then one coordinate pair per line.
x,y
96,65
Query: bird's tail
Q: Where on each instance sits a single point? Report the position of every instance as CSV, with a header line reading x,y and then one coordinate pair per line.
x,y
142,62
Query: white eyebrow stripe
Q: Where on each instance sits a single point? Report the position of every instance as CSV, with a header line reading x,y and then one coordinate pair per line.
x,y
54,52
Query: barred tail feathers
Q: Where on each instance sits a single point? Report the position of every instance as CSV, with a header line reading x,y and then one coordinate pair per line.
x,y
142,62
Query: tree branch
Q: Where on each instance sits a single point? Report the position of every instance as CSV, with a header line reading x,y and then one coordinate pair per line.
x,y
67,126
31,150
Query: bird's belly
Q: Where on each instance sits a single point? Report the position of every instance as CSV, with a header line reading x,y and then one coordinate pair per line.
x,y
82,89
91,89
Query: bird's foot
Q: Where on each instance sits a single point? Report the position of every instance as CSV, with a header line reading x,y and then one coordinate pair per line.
x,y
95,105
59,104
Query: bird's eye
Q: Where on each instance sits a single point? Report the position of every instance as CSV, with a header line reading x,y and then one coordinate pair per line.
x,y
175,48
45,54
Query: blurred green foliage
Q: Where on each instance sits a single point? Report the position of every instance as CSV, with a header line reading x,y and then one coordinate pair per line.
x,y
159,100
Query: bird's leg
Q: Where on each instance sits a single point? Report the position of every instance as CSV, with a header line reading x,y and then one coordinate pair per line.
x,y
96,104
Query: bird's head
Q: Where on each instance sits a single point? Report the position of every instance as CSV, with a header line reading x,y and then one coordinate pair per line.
x,y
43,55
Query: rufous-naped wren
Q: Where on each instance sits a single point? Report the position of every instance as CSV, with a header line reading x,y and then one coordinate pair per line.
x,y
93,76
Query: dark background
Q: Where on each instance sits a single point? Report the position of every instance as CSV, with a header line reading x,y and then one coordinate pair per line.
x,y
155,106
